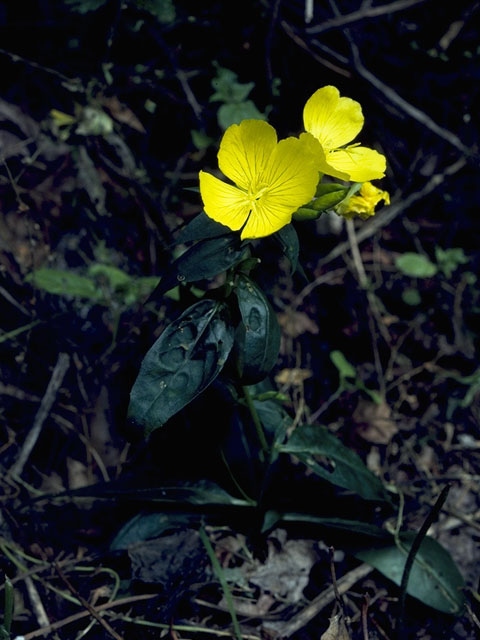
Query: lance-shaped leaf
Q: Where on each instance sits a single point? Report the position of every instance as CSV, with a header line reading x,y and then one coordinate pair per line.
x,y
258,337
184,360
325,454
205,259
201,228
434,578
288,239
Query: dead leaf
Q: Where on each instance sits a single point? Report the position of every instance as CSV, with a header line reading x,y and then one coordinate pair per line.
x,y
176,558
122,113
101,437
78,474
375,422
293,377
286,571
337,629
88,178
251,608
294,323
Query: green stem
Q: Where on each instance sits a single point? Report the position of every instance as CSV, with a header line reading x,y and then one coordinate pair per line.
x,y
220,575
8,608
258,425
429,520
235,482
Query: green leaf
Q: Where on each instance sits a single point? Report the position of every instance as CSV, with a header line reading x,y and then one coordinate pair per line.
x,y
145,526
201,227
306,213
288,238
434,579
184,360
148,525
233,92
9,335
85,6
235,112
227,88
355,527
142,287
203,260
415,265
200,139
65,283
324,454
328,195
208,258
450,259
258,338
162,10
411,297
275,421
324,188
117,278
345,369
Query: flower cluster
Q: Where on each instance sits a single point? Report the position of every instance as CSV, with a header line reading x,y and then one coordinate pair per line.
x,y
272,179
363,203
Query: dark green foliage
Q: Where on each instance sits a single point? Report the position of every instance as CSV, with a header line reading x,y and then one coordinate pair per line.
x,y
258,337
184,360
205,259
434,579
324,454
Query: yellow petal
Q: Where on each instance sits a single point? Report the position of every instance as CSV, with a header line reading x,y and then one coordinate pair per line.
x,y
245,150
266,218
316,150
363,203
333,120
223,202
290,179
291,174
360,164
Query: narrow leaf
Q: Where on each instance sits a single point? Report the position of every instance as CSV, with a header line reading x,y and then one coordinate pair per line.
x,y
288,239
345,369
203,260
65,283
201,228
355,527
324,454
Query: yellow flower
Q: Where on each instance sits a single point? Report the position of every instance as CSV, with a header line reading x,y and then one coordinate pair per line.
x,y
363,203
272,180
334,121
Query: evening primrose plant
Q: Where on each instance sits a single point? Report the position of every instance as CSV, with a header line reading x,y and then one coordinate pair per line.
x,y
268,182
274,179
229,333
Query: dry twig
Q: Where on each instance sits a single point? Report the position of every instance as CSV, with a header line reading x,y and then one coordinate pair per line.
x,y
388,214
43,631
301,619
48,399
363,13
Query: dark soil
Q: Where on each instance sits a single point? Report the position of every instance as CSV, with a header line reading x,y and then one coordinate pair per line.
x,y
70,198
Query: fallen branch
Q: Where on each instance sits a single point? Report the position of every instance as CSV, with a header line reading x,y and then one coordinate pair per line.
x,y
48,399
301,619
361,14
43,631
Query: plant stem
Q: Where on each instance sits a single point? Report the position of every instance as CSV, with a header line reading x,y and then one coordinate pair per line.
x,y
429,520
8,606
258,425
220,575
